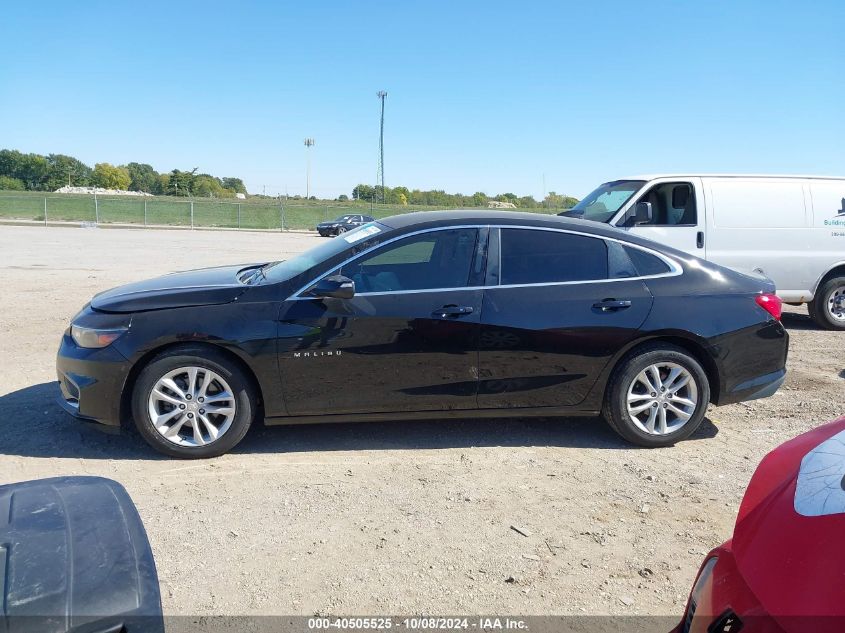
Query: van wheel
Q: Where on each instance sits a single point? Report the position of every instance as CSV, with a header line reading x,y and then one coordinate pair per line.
x,y
657,396
827,308
192,403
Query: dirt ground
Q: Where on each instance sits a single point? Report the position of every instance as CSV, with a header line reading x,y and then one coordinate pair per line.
x,y
410,517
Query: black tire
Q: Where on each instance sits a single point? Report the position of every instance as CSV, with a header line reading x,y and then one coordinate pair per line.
x,y
819,307
241,388
340,229
615,410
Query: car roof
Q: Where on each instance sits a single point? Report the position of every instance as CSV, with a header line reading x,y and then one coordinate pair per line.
x,y
427,219
478,216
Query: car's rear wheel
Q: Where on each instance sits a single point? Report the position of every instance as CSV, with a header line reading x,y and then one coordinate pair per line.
x,y
827,308
192,403
657,396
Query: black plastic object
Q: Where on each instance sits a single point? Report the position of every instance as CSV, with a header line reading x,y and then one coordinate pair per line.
x,y
74,556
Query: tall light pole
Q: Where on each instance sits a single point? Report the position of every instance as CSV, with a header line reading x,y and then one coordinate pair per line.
x,y
381,94
309,143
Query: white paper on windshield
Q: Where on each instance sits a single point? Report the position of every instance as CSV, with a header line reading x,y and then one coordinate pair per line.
x,y
360,234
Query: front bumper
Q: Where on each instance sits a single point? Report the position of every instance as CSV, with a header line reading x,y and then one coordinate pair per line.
x,y
91,381
723,597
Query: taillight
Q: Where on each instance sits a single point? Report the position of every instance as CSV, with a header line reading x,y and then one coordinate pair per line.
x,y
771,303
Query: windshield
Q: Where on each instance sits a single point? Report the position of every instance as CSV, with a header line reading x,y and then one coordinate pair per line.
x,y
290,268
603,203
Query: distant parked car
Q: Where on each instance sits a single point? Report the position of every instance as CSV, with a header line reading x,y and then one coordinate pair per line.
x,y
342,224
782,570
429,315
790,228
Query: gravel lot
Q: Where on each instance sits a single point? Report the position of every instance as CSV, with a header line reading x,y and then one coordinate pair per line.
x,y
393,518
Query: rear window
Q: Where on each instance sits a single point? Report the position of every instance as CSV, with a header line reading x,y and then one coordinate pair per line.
x,y
536,257
646,263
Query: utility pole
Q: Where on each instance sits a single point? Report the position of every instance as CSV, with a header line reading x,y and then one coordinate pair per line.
x,y
309,143
544,190
381,94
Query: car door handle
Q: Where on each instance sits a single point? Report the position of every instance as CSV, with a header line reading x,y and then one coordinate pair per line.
x,y
452,311
612,305
699,239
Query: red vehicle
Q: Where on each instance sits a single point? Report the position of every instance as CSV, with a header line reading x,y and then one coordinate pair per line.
x,y
784,569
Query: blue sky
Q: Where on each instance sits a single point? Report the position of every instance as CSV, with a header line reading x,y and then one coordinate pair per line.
x,y
483,96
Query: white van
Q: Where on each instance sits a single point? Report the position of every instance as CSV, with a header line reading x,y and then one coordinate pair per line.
x,y
790,228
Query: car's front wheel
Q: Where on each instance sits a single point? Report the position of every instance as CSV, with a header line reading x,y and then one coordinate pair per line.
x,y
657,396
192,403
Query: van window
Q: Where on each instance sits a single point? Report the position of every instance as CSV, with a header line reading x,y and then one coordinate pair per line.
x,y
672,204
748,204
536,257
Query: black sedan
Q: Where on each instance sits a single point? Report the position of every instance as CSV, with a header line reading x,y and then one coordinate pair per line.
x,y
342,224
428,315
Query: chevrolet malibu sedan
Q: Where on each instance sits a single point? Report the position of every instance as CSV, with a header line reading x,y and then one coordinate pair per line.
x,y
342,224
782,570
428,315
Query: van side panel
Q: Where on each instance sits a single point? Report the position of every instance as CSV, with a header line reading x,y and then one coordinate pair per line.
x,y
828,224
762,224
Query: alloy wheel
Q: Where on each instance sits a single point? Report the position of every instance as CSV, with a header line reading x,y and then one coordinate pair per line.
x,y
662,398
191,406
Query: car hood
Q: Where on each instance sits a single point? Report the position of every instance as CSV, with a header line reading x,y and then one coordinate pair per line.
x,y
206,286
327,224
788,537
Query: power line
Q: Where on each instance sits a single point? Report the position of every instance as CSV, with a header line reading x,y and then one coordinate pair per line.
x,y
381,94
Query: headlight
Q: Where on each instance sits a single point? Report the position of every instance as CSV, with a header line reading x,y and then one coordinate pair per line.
x,y
95,338
702,584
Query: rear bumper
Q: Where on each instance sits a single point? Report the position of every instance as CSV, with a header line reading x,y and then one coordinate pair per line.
x,y
91,382
755,388
751,362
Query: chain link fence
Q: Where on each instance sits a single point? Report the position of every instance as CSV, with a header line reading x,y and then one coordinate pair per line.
x,y
279,215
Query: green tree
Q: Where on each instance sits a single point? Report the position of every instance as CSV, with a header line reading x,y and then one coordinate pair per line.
x,y
207,186
181,182
31,169
507,197
342,197
108,176
235,185
143,178
558,201
66,170
363,192
7,183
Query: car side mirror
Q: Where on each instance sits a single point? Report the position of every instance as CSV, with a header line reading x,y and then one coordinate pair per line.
x,y
336,286
642,213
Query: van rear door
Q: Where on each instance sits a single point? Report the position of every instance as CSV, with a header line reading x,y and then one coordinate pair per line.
x,y
677,214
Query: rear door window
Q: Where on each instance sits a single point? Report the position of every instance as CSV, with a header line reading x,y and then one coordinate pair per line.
x,y
538,257
645,263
